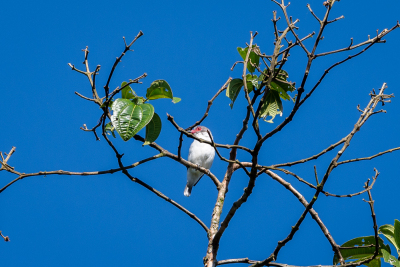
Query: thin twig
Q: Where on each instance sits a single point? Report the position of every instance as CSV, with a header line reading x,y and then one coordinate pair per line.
x,y
369,158
312,157
376,39
118,59
84,97
62,172
6,238
312,12
210,102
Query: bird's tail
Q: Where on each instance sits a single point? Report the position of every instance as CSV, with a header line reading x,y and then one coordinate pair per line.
x,y
188,190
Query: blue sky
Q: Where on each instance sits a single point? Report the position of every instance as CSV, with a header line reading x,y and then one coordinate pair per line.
x,y
110,221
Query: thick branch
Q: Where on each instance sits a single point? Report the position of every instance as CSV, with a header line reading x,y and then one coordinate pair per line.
x,y
212,248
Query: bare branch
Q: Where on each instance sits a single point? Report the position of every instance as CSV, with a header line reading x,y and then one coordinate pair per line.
x,y
234,64
375,99
212,247
293,174
338,18
312,212
6,238
376,39
358,193
316,175
315,16
247,192
297,43
371,205
210,102
312,157
180,145
84,97
230,261
84,128
291,26
369,158
127,48
62,172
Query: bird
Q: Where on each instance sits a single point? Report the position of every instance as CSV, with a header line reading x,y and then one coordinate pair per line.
x,y
201,154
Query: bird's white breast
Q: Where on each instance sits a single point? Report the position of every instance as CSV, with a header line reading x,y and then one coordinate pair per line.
x,y
200,153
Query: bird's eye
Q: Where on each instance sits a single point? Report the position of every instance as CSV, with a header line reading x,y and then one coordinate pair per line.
x,y
198,128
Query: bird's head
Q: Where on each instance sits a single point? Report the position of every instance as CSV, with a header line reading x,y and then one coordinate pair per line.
x,y
200,131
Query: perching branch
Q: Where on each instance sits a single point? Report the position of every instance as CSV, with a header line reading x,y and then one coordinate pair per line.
x,y
188,134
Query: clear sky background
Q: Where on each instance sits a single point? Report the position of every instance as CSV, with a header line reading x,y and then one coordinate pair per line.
x,y
109,220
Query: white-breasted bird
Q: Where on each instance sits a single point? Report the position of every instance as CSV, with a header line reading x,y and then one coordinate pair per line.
x,y
200,154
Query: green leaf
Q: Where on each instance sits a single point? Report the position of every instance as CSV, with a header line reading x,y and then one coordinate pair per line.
x,y
252,81
129,118
281,85
138,100
175,100
253,57
233,89
359,252
262,76
397,235
110,129
277,86
388,231
390,258
374,263
153,129
282,75
272,106
127,92
159,89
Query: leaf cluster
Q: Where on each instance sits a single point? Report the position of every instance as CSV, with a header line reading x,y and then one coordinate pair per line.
x,y
362,248
276,88
131,113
